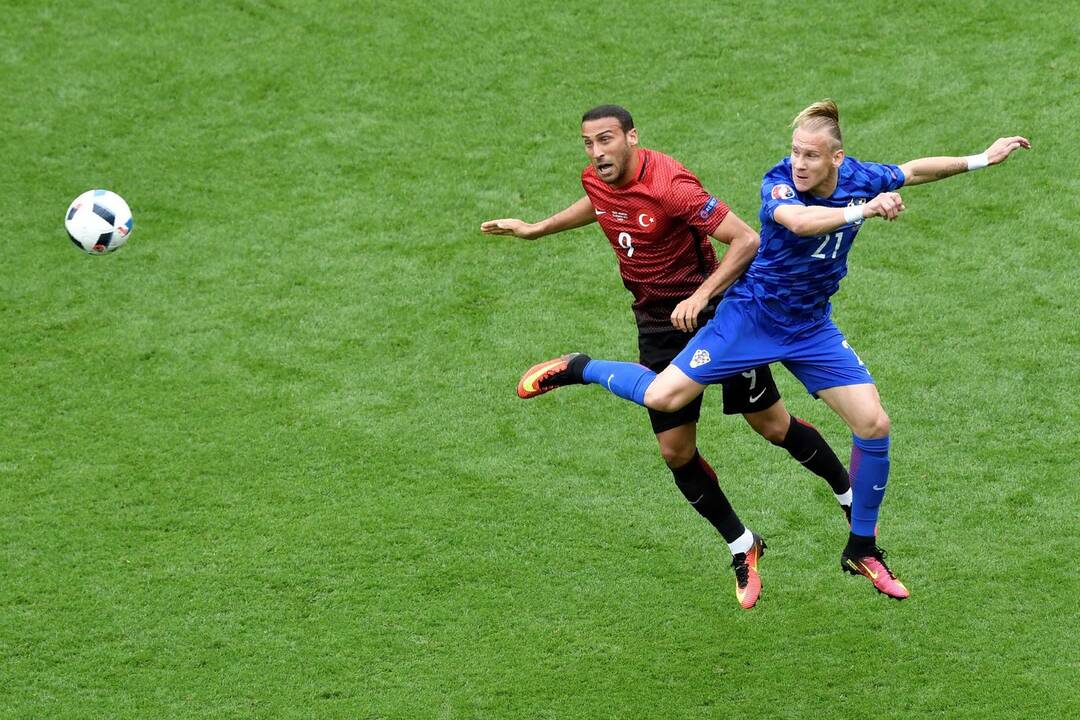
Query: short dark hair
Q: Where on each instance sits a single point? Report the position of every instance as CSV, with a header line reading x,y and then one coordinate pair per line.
x,y
611,111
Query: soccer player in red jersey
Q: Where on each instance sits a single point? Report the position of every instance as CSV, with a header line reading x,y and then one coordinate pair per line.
x,y
658,219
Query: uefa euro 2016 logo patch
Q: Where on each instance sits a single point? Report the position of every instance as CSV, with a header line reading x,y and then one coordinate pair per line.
x,y
701,357
708,209
782,192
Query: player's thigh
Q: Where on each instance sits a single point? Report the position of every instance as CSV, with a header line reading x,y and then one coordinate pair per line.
x,y
860,407
664,421
750,392
823,358
656,349
736,340
676,432
672,399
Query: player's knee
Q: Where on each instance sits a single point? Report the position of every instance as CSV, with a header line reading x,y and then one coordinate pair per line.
x,y
664,399
677,454
771,428
774,433
877,426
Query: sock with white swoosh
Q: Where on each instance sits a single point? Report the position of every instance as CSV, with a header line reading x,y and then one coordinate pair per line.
x,y
698,483
869,477
624,379
804,443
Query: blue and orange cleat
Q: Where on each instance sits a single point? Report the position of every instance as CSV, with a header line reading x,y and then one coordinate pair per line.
x,y
873,567
747,580
548,375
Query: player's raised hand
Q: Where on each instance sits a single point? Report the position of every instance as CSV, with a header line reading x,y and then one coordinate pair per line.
x,y
1003,147
511,226
887,205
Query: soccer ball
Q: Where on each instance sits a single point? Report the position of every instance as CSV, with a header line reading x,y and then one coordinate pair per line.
x,y
98,221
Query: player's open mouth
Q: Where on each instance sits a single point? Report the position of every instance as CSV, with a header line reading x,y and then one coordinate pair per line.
x,y
604,167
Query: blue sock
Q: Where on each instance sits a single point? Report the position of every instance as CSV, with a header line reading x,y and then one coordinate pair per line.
x,y
869,476
626,380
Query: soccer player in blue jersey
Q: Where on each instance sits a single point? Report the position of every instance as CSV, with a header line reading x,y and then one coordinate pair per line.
x,y
813,205
658,220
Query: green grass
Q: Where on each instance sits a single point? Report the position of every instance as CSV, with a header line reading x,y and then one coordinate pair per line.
x,y
266,461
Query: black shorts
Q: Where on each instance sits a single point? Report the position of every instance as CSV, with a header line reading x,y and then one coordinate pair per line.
x,y
751,391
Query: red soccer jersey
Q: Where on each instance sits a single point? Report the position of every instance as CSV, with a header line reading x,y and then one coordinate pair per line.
x,y
659,226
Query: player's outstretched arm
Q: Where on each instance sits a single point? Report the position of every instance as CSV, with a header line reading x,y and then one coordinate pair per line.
x,y
809,220
743,242
929,169
579,214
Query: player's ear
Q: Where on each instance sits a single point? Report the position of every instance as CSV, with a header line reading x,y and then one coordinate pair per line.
x,y
838,158
631,136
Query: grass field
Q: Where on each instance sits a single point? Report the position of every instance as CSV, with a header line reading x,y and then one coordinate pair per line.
x,y
267,461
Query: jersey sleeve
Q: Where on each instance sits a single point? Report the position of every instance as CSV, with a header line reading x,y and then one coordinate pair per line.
x,y
776,190
877,178
687,200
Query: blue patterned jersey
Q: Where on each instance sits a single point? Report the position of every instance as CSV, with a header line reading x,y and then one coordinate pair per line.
x,y
793,277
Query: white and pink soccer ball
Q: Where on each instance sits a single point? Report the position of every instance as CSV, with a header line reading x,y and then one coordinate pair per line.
x,y
98,221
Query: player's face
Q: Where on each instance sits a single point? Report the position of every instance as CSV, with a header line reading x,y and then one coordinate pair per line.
x,y
814,162
610,150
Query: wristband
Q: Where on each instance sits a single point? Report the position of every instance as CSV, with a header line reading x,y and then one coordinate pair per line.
x,y
853,214
974,162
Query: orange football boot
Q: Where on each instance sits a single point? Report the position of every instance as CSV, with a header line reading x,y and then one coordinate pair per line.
x,y
747,580
546,376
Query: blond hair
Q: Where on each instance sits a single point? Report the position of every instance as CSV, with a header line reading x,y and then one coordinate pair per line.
x,y
821,116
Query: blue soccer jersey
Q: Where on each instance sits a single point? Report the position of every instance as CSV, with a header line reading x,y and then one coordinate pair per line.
x,y
793,277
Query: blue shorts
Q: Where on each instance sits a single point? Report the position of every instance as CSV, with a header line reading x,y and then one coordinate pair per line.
x,y
741,336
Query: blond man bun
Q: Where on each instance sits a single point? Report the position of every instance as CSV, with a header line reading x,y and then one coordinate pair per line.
x,y
822,116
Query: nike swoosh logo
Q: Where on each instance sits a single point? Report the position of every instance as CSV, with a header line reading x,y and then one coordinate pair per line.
x,y
879,489
609,379
601,212
529,383
755,398
865,570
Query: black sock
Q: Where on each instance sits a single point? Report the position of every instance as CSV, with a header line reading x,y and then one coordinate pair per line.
x,y
699,485
576,367
860,545
804,443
